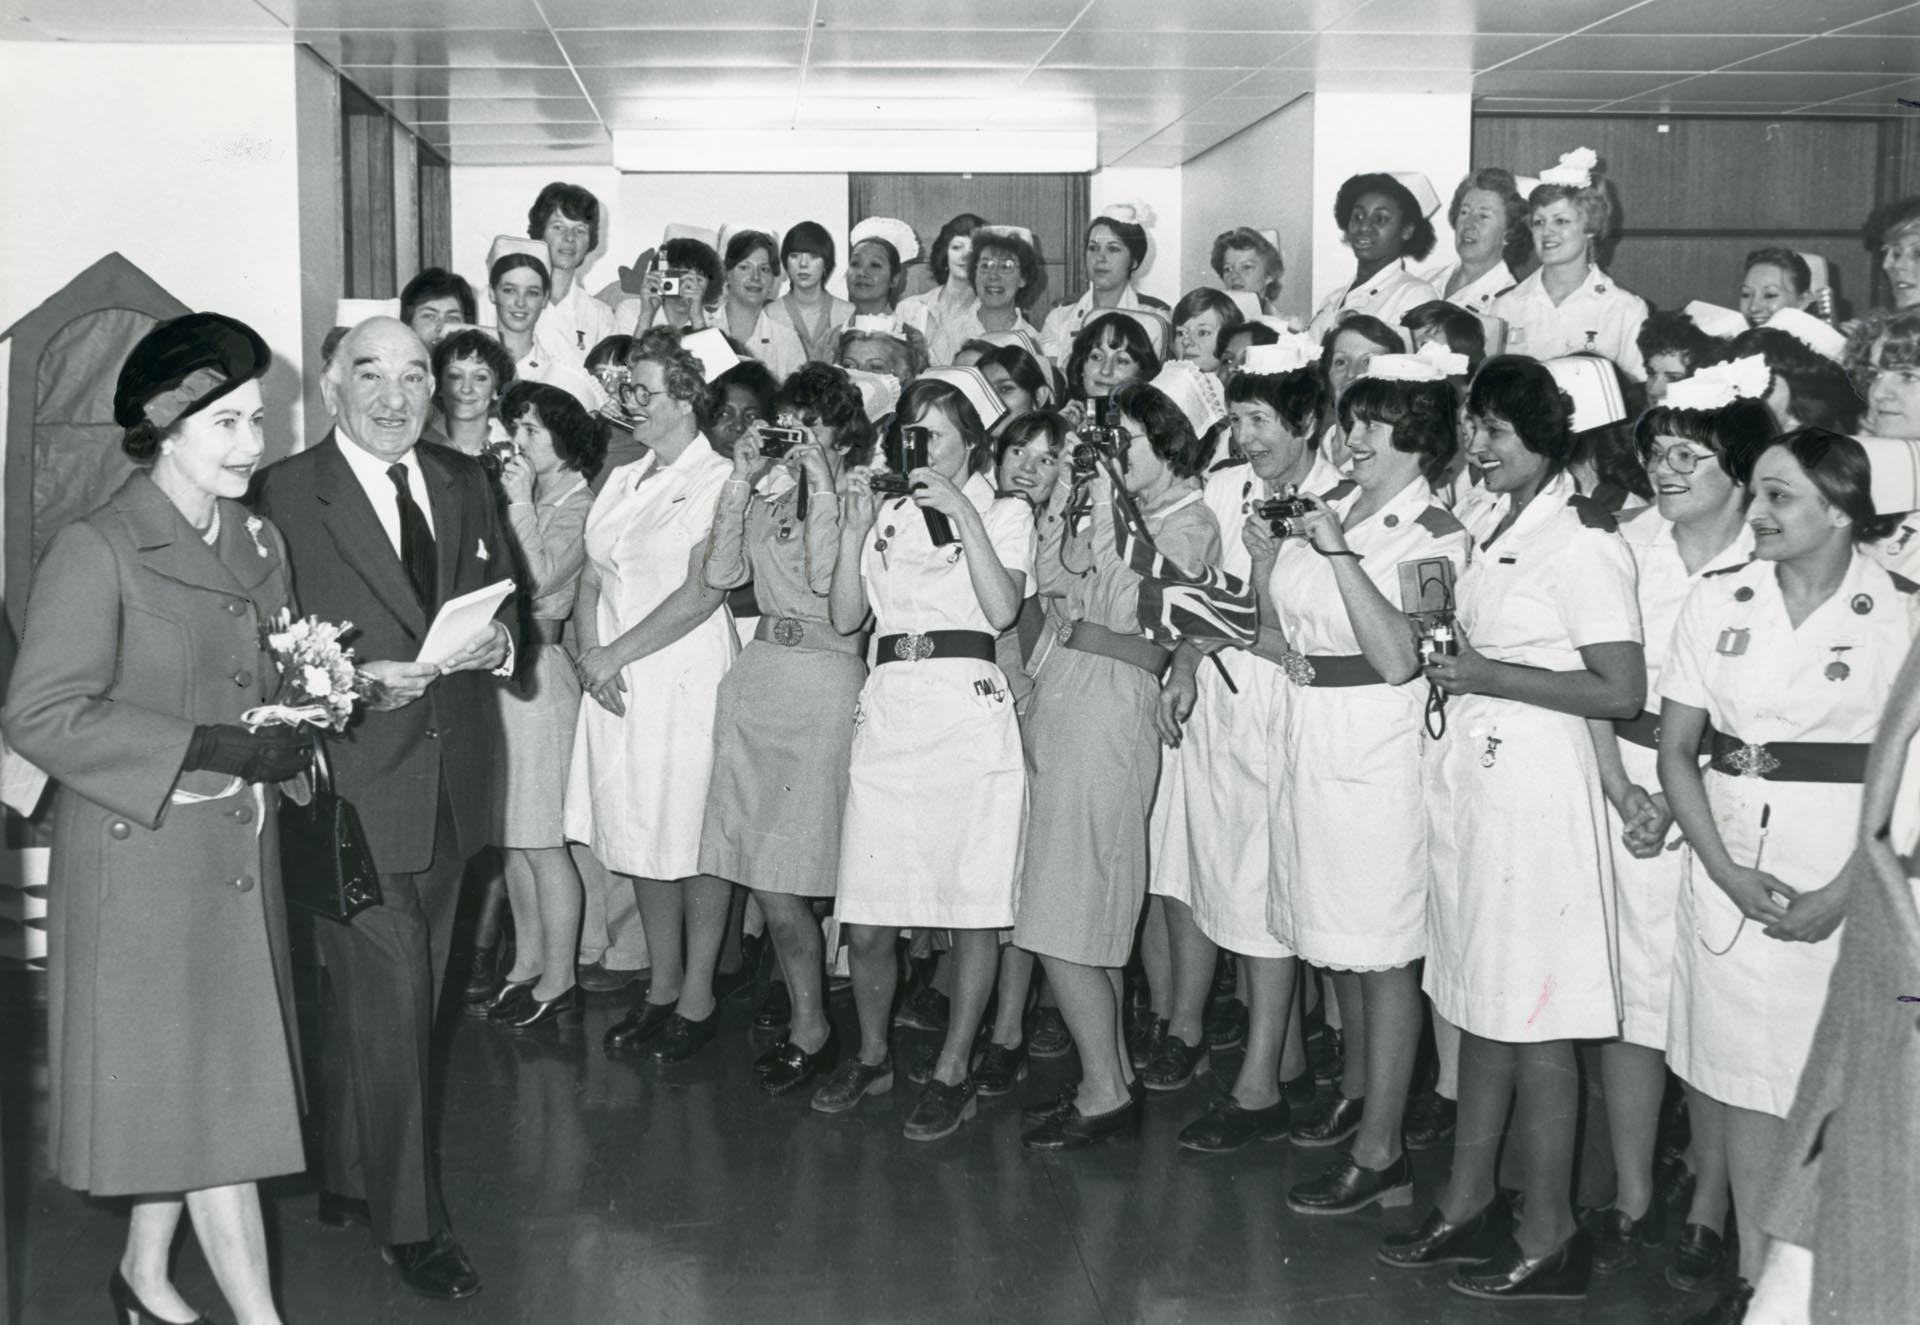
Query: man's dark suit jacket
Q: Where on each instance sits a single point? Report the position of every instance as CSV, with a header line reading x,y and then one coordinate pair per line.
x,y
391,765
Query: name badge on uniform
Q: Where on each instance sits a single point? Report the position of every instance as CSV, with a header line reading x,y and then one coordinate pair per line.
x,y
1733,641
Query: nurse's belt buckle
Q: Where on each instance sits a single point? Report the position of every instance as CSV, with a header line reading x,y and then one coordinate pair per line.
x,y
1752,761
1064,632
788,632
1298,669
913,648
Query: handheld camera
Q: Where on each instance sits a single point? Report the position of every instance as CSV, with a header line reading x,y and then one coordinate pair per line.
x,y
1283,514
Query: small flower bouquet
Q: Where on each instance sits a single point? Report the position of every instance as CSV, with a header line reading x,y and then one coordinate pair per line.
x,y
319,684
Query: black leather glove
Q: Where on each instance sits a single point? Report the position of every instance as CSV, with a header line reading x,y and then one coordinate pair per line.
x,y
272,754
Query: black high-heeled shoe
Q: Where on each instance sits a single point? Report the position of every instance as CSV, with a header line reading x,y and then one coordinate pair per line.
x,y
506,1000
530,1013
128,1308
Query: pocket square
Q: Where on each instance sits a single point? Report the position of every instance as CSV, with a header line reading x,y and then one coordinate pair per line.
x,y
480,548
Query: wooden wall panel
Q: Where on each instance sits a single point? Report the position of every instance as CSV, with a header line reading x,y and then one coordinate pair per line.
x,y
1695,199
436,211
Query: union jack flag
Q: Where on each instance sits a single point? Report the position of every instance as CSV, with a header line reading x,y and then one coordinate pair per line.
x,y
1209,606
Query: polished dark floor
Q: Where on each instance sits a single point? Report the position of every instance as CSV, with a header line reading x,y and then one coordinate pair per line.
x,y
593,1190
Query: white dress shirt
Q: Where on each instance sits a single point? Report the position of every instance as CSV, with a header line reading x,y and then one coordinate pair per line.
x,y
371,470
1387,295
571,326
1596,317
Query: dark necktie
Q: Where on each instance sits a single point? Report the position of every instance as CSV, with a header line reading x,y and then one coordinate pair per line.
x,y
416,539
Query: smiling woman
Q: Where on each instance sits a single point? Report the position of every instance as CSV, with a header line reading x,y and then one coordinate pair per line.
x,y
1384,223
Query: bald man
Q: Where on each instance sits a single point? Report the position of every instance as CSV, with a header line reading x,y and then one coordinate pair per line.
x,y
381,530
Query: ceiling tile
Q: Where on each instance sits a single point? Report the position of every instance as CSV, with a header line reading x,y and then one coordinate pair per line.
x,y
1875,101
1489,16
732,15
912,47
533,131
906,82
1518,81
1590,51
559,156
487,110
1240,111
696,112
1147,155
1405,51
471,46
1903,22
929,17
1532,105
1783,90
411,14
1283,82
437,81
95,20
1215,15
1173,50
1893,56
1197,84
605,84
685,49
1709,17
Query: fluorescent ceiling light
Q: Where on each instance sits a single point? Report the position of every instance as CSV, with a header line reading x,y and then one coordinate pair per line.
x,y
892,151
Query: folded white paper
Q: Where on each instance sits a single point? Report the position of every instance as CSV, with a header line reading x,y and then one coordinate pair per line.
x,y
460,620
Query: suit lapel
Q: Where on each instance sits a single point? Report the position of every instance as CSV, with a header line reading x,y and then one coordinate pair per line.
x,y
449,532
167,543
356,531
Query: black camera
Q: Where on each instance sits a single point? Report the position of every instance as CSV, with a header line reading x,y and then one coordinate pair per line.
x,y
1438,637
1098,440
670,282
1281,513
886,483
776,443
495,457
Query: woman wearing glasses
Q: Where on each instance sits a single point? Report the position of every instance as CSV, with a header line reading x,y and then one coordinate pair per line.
x,y
1006,272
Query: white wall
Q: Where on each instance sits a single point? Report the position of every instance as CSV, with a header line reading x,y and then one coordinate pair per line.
x,y
635,209
1258,178
183,158
1358,132
1160,190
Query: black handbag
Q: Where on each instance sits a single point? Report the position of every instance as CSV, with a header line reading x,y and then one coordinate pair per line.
x,y
326,866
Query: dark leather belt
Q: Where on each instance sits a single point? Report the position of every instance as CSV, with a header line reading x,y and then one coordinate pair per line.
x,y
1342,669
548,631
1644,731
1134,650
1790,761
793,632
921,646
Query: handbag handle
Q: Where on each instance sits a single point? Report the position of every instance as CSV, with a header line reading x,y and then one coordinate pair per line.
x,y
322,768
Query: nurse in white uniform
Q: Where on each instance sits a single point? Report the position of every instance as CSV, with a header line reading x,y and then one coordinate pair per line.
x,y
1520,917
654,645
937,793
1116,249
518,273
1383,218
1212,873
1699,450
1489,220
1349,751
1570,306
1884,354
566,218
751,272
1792,659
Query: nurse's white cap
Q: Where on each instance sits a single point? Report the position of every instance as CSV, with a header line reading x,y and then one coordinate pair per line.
x,y
1421,188
1196,391
877,324
1895,466
675,230
1718,385
519,245
578,384
1434,362
352,312
1715,320
973,384
1246,301
897,233
710,347
1293,351
1594,385
1810,331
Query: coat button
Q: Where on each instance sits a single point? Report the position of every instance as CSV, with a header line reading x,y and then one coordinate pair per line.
x,y
243,678
242,814
242,884
237,607
120,829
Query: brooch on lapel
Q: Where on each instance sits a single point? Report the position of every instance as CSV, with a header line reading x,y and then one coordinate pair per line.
x,y
480,548
254,525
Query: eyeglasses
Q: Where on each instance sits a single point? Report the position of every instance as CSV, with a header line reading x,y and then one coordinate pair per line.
x,y
635,394
1681,458
998,264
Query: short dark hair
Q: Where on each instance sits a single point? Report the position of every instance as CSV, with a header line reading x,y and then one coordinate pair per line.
x,y
1132,235
473,343
579,438
1736,433
1888,217
1248,238
512,262
1838,466
612,349
964,224
1031,273
571,200
1523,392
1025,372
684,254
1424,417
1461,330
828,393
930,393
1257,333
432,283
810,237
1818,391
1799,274
1668,332
1169,432
1361,324
751,376
1519,242
1297,398
1023,428
1115,327
741,245
1357,186
1206,299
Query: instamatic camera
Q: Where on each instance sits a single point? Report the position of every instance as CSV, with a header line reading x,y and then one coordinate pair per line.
x,y
1283,513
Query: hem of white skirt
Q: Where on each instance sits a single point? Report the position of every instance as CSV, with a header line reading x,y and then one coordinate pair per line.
x,y
1001,919
1499,1024
1238,941
1755,1094
1646,1029
1340,953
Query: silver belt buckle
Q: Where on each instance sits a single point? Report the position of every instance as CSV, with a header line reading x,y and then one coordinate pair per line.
x,y
914,647
788,632
1064,632
1752,761
1298,668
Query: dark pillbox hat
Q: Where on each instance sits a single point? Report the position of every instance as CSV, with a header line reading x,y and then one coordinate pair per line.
x,y
185,364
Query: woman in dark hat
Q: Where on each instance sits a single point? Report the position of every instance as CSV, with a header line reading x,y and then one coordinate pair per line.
x,y
171,1034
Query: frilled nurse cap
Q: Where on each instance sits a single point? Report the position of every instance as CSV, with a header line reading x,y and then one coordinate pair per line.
x,y
1895,466
185,364
1593,384
974,386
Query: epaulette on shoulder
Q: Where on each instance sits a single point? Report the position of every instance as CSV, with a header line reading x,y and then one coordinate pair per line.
x,y
1593,514
1339,490
1439,521
1727,570
1231,462
1902,584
